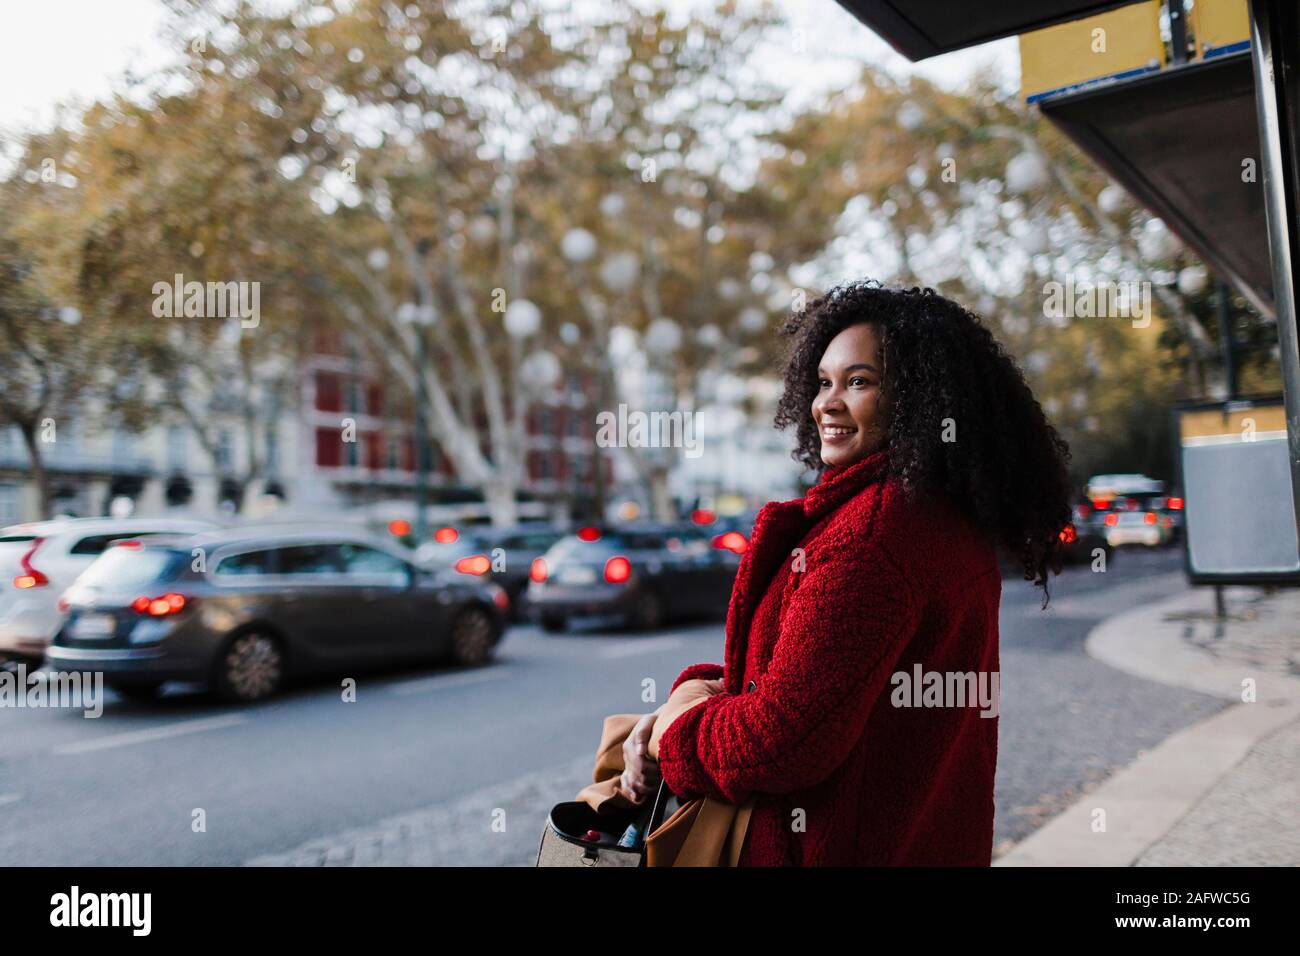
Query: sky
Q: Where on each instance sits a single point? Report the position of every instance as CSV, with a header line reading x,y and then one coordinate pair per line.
x,y
58,50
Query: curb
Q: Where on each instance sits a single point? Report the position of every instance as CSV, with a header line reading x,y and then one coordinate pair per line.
x,y
1141,804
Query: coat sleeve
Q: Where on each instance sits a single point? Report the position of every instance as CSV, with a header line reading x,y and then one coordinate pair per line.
x,y
843,630
703,671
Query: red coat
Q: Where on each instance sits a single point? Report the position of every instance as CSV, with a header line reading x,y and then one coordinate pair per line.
x,y
808,720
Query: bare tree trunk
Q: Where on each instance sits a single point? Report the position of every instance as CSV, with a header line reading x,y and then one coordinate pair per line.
x,y
661,499
39,475
499,495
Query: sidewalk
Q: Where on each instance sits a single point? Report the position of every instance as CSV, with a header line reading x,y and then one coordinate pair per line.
x,y
1224,792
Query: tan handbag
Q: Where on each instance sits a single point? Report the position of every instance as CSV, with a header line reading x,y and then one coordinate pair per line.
x,y
699,832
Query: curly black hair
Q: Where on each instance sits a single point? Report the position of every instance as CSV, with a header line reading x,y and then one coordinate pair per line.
x,y
1007,468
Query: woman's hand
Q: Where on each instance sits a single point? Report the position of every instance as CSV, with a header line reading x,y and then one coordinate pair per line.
x,y
640,773
688,694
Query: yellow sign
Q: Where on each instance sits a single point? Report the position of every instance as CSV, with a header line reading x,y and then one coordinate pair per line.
x,y
1221,26
1217,427
1082,53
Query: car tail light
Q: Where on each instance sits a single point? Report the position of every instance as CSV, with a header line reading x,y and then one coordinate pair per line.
x,y
1149,517
474,564
30,578
446,535
399,527
618,569
537,570
731,541
589,534
1101,504
703,516
500,598
134,544
1069,535
1082,512
1112,520
1175,504
169,603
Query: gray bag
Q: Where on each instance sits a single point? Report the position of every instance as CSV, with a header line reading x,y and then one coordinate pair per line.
x,y
564,840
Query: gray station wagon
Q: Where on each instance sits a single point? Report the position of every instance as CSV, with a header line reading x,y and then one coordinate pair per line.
x,y
246,609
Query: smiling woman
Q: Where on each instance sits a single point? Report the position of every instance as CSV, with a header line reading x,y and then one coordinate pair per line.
x,y
960,418
851,411
931,451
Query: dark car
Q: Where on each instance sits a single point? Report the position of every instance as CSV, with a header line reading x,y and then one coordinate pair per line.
x,y
500,555
643,575
245,610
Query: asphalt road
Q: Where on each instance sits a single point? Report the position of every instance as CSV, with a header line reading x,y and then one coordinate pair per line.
x,y
125,788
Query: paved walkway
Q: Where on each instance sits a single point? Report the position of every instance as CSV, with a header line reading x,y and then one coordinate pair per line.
x,y
496,826
1223,792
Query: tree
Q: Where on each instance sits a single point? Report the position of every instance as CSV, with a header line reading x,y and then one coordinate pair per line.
x,y
53,358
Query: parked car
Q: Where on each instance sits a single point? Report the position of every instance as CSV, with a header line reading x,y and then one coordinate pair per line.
x,y
265,606
644,574
500,555
39,560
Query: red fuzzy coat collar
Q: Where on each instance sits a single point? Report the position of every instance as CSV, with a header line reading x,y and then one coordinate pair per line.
x,y
778,529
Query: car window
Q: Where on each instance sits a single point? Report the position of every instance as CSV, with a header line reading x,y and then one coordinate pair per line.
x,y
305,560
372,564
98,543
250,562
128,568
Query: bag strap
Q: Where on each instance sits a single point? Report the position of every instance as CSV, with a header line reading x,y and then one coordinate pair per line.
x,y
656,817
739,827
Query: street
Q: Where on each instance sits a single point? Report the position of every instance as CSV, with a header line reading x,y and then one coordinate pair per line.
x,y
452,746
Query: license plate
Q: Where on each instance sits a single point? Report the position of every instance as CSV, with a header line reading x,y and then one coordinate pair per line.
x,y
94,625
576,575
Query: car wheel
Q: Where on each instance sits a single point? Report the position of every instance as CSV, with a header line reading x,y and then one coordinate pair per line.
x,y
472,637
647,612
554,623
137,692
251,667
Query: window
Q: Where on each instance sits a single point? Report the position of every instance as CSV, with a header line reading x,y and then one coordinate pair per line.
x,y
8,504
329,448
329,392
250,562
374,565
97,543
131,568
310,559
